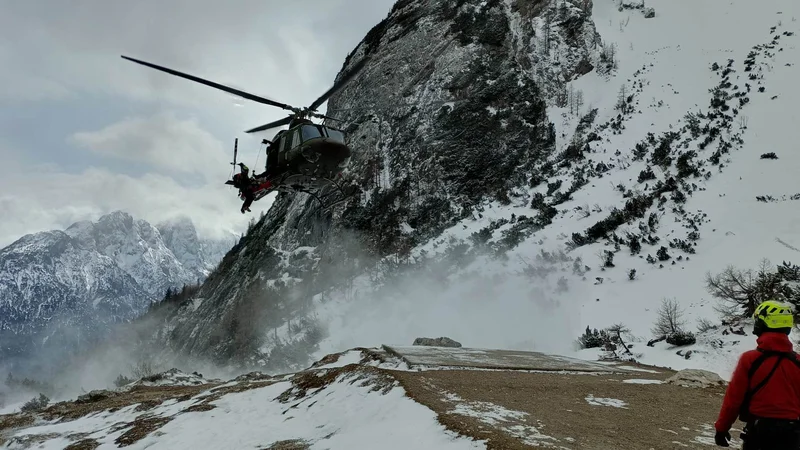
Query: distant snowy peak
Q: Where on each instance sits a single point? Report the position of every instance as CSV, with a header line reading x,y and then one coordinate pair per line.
x,y
136,247
96,273
194,253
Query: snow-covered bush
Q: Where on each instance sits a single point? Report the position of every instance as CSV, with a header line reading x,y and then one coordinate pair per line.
x,y
646,174
595,339
649,13
681,338
35,404
122,380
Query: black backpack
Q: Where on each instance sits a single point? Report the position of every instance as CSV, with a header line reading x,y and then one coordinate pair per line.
x,y
744,411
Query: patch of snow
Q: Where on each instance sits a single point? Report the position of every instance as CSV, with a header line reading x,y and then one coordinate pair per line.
x,y
642,381
637,369
513,422
592,400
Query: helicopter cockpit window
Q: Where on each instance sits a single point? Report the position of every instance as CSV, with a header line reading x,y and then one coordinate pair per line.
x,y
310,132
336,135
289,140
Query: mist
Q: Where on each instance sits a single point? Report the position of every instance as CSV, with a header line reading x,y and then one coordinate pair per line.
x,y
492,302
482,296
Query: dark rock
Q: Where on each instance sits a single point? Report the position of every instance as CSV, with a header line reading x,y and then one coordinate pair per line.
x,y
95,396
437,342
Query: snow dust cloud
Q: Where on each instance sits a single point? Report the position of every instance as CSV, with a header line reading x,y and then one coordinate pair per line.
x,y
489,303
97,359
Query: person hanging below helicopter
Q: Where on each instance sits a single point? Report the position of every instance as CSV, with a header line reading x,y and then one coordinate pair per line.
x,y
245,184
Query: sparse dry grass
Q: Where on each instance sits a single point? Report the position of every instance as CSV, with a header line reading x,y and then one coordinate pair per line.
x,y
305,381
17,420
147,396
142,426
11,421
83,444
291,444
656,417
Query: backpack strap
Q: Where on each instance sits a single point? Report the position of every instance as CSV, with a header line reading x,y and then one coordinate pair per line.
x,y
791,356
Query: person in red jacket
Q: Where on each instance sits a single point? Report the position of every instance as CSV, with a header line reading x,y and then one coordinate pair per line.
x,y
764,391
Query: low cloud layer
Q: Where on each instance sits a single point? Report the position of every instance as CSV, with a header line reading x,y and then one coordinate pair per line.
x,y
162,141
54,200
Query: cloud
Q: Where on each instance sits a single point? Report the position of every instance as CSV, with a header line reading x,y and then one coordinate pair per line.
x,y
161,140
287,49
55,200
66,57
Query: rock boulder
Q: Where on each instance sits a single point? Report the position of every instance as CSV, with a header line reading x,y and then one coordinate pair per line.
x,y
437,342
696,378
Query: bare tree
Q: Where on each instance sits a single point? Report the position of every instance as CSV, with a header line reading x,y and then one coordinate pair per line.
x,y
562,96
548,21
741,291
743,122
670,318
704,325
143,368
578,101
571,99
616,331
622,98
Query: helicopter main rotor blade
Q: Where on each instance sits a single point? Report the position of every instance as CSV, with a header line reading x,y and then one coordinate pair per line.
x,y
227,89
340,84
323,116
285,121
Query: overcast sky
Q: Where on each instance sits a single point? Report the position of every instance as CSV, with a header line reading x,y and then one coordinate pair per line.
x,y
84,132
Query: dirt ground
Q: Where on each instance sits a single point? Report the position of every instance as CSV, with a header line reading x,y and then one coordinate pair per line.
x,y
654,416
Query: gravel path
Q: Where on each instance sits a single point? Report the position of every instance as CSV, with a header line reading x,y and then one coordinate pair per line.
x,y
570,411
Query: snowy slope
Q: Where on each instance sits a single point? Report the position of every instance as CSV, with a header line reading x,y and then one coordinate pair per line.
x,y
738,229
354,408
669,73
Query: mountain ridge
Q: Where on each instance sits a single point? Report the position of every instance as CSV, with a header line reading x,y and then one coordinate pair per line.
x,y
94,274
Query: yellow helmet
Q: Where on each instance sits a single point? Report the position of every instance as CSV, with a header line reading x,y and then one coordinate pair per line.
x,y
773,316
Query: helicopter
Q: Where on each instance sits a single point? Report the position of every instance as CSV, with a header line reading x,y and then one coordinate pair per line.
x,y
306,157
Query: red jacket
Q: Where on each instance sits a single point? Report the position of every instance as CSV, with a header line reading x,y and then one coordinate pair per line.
x,y
779,398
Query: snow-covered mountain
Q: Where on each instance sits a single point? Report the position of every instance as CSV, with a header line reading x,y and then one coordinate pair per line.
x,y
529,169
93,274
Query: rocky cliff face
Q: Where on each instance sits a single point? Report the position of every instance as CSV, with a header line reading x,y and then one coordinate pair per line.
x,y
449,112
60,288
